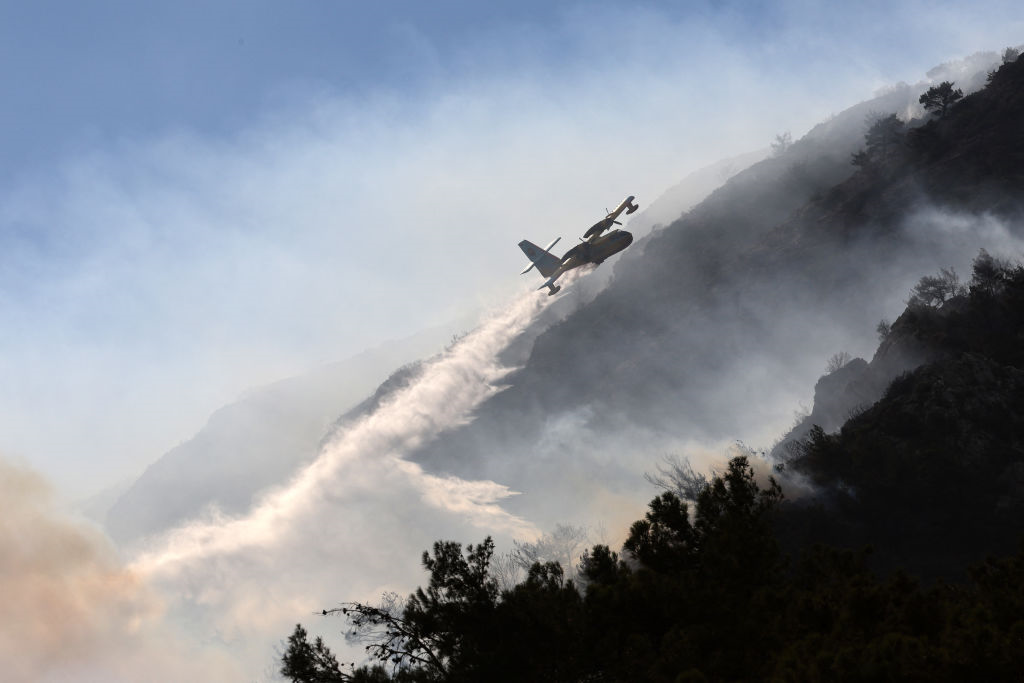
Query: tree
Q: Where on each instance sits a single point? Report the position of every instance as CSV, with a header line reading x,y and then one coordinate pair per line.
x,y
883,328
940,98
1010,54
935,290
731,525
989,274
663,540
837,361
561,545
678,476
730,515
460,594
437,628
883,141
536,632
303,662
601,566
783,142
507,570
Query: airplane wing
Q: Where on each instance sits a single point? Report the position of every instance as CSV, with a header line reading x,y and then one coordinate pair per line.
x,y
611,219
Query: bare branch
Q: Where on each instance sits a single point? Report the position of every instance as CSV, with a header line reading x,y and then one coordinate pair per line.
x,y
678,476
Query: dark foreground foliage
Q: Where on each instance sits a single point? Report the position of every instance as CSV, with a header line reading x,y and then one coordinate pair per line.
x,y
702,597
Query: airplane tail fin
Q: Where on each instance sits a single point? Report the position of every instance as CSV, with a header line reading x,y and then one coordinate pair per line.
x,y
546,263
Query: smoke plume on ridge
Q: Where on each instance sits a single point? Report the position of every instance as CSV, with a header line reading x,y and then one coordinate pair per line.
x,y
351,524
213,598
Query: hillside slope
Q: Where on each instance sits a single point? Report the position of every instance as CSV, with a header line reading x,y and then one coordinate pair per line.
x,y
714,327
932,474
254,443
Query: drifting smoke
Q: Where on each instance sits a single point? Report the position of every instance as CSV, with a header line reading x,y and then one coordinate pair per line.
x,y
71,610
350,525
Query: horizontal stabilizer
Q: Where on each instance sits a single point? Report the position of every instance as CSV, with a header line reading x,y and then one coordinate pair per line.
x,y
546,263
550,284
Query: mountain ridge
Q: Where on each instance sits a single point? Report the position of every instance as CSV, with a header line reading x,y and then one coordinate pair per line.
x,y
698,295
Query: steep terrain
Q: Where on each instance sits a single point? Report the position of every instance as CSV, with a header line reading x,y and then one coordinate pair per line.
x,y
713,329
932,474
715,326
261,440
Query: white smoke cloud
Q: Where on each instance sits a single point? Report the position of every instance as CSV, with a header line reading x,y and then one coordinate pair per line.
x,y
210,600
352,524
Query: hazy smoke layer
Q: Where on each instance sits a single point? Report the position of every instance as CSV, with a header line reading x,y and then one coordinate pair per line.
x,y
71,610
354,521
209,601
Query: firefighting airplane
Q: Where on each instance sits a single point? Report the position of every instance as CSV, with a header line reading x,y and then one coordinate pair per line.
x,y
594,247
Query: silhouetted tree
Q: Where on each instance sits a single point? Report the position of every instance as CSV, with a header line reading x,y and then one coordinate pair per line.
x,y
536,632
507,571
989,275
729,514
1010,54
561,545
732,520
601,566
303,662
837,361
934,290
439,627
883,328
883,141
678,476
460,595
664,539
940,98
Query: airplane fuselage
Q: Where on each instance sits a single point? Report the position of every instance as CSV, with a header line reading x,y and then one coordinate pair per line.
x,y
595,247
595,250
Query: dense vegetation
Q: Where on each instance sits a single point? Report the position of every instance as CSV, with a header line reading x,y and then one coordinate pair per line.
x,y
881,573
707,599
942,451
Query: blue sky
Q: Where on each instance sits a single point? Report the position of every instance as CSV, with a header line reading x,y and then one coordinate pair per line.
x,y
85,74
200,197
